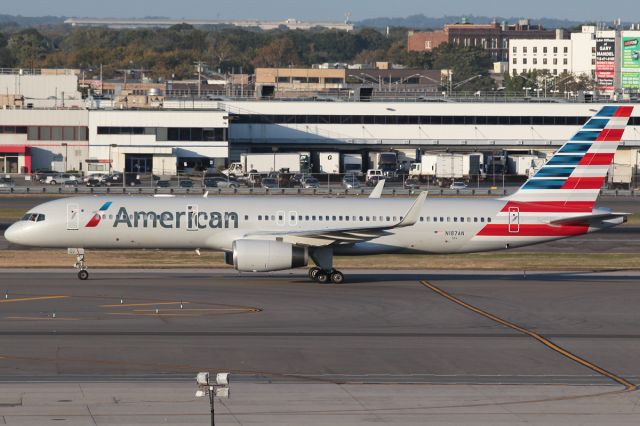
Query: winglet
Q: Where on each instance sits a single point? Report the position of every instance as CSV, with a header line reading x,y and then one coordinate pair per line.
x,y
414,211
377,191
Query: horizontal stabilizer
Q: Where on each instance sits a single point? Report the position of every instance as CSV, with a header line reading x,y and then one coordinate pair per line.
x,y
588,218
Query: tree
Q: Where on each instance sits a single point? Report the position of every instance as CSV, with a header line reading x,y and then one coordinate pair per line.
x,y
28,47
466,63
280,52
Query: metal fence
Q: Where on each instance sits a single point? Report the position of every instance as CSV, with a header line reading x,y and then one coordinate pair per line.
x,y
275,183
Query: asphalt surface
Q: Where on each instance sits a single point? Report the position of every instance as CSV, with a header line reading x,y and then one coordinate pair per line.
x,y
383,327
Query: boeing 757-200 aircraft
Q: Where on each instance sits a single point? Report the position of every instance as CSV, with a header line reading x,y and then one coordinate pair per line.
x,y
277,233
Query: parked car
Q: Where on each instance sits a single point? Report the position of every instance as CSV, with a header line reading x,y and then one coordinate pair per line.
x,y
7,182
374,174
186,183
458,185
41,174
269,183
93,182
163,183
58,178
310,182
220,182
296,179
351,181
412,183
115,179
96,176
373,180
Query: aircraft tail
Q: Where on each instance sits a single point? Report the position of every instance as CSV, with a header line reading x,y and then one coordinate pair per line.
x,y
572,178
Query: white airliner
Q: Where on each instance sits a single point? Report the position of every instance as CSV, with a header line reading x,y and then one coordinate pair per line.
x,y
277,233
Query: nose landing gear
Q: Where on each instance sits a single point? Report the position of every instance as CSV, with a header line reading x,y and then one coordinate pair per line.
x,y
80,264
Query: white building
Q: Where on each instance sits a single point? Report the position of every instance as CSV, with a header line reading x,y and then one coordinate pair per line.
x,y
43,88
576,55
43,139
159,142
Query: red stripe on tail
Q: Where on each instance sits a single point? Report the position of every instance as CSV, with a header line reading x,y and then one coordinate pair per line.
x,y
597,159
584,183
550,206
533,230
610,135
623,111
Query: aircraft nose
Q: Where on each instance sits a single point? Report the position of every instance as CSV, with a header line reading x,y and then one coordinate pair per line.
x,y
12,234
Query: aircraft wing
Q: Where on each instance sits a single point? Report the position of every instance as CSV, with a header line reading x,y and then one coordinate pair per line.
x,y
326,237
586,219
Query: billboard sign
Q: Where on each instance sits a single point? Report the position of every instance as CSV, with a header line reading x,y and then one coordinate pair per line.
x,y
605,63
631,62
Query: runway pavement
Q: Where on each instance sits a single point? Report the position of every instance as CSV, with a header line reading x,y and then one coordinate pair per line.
x,y
395,347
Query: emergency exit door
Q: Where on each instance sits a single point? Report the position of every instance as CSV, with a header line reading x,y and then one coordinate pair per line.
x,y
73,217
514,220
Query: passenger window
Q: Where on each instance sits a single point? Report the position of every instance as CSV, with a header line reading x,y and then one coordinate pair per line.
x,y
488,219
300,217
333,218
441,219
394,218
475,219
367,218
246,217
427,218
313,218
273,217
448,219
381,218
468,219
279,217
306,218
259,217
455,219
340,217
421,219
361,218
462,219
373,218
388,218
482,219
346,218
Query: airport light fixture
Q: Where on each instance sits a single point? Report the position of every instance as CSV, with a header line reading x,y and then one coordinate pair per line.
x,y
218,388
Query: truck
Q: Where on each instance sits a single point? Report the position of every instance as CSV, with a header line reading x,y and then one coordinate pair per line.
x,y
352,164
385,161
294,162
620,176
446,167
524,164
326,162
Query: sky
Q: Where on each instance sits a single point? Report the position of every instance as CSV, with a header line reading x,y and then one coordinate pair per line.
x,y
581,10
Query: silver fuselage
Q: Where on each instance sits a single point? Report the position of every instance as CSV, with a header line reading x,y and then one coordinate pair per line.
x,y
446,225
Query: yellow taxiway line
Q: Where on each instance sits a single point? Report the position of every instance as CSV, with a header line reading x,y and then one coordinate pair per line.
x,y
142,304
548,343
29,299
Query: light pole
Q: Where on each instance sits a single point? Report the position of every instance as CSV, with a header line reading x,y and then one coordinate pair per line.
x,y
113,145
219,388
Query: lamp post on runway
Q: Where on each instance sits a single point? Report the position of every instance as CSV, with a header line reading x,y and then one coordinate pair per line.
x,y
219,388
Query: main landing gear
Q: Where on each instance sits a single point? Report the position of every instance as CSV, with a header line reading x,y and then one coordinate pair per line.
x,y
80,264
322,276
324,272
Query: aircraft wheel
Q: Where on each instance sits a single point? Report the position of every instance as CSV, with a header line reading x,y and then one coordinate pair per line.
x,y
337,277
313,272
322,277
83,274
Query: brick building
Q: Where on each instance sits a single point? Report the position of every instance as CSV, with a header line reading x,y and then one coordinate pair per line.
x,y
493,37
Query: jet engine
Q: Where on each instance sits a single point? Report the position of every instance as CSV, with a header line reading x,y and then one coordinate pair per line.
x,y
263,256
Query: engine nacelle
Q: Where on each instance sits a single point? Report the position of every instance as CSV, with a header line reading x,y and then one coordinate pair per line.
x,y
264,256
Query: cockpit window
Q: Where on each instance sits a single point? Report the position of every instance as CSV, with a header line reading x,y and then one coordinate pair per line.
x,y
33,217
